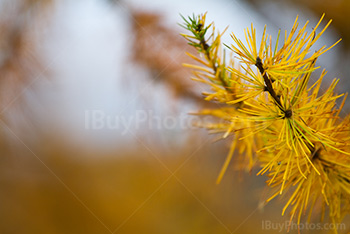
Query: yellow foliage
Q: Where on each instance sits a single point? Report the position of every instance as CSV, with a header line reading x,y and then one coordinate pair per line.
x,y
277,118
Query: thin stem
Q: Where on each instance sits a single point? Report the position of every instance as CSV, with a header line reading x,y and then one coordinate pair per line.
x,y
205,47
269,87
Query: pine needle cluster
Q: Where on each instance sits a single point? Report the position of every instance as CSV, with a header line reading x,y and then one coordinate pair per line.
x,y
276,116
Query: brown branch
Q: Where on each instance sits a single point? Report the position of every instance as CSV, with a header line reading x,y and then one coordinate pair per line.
x,y
269,88
205,47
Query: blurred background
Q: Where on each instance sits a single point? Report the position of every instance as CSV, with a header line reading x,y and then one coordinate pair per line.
x,y
96,135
